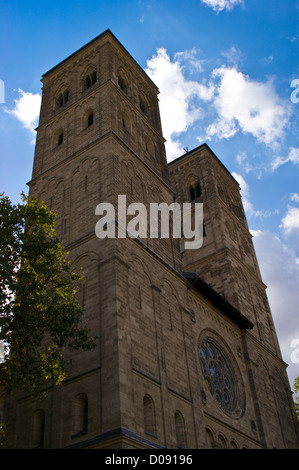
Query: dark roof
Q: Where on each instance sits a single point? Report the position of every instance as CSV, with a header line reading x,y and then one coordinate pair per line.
x,y
107,32
218,301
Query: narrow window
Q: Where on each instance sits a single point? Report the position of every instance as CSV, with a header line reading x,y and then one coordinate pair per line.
x,y
66,96
192,193
62,98
85,184
149,415
60,101
195,191
143,106
80,415
126,122
198,190
87,82
60,138
90,80
93,77
211,439
138,303
180,430
122,84
90,120
38,429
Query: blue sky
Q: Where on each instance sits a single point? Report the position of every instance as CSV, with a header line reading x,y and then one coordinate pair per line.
x,y
228,74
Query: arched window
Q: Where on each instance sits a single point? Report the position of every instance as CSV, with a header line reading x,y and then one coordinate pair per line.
x,y
87,82
62,98
149,415
195,191
211,439
143,104
123,81
66,96
90,119
38,429
80,415
180,430
93,77
89,79
60,138
234,445
126,122
222,442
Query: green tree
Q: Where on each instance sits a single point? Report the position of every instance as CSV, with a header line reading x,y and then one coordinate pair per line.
x,y
296,400
40,316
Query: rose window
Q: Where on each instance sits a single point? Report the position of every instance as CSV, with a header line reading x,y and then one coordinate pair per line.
x,y
218,372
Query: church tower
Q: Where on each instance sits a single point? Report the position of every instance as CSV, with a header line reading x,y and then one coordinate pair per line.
x,y
226,260
187,356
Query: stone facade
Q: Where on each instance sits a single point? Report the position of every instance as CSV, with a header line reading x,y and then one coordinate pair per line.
x,y
187,355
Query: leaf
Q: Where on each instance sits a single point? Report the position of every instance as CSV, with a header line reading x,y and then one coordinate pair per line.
x,y
39,312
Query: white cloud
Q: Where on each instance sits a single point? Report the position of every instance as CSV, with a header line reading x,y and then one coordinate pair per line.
x,y
248,106
26,109
190,58
238,103
267,60
292,157
177,97
295,197
248,207
233,56
243,185
290,223
280,271
219,5
242,160
248,165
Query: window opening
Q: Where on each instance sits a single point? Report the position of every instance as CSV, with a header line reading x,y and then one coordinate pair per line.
x,y
195,191
149,415
218,372
90,80
192,194
90,120
63,98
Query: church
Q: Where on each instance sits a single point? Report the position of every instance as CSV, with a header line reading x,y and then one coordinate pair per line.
x,y
187,355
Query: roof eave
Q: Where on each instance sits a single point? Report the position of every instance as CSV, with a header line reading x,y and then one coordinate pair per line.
x,y
218,301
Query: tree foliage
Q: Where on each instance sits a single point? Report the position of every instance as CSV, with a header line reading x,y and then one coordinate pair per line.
x,y
40,315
